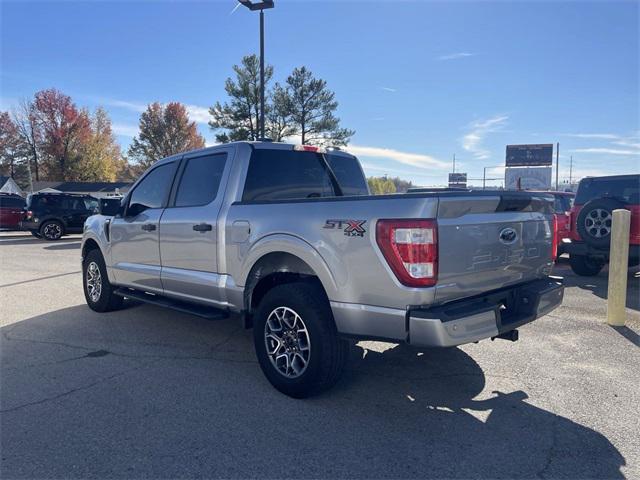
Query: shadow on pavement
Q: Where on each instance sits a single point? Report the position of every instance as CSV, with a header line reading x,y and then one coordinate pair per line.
x,y
65,245
599,284
629,334
29,240
148,393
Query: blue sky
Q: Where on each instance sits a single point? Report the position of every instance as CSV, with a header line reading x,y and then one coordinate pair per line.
x,y
418,81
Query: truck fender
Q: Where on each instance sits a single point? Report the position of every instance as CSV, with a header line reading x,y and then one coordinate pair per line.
x,y
292,246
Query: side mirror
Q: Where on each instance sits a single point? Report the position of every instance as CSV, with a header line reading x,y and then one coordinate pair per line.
x,y
135,209
110,207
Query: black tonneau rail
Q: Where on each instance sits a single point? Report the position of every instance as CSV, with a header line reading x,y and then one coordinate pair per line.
x,y
509,201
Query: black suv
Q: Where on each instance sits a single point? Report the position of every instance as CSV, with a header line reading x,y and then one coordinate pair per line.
x,y
52,215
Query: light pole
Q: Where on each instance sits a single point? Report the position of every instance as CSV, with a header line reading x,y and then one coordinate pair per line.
x,y
260,6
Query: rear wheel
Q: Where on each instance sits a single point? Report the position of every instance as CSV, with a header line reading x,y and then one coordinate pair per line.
x,y
296,340
98,291
52,230
585,266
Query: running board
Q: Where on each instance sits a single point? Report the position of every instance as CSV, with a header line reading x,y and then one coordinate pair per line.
x,y
210,313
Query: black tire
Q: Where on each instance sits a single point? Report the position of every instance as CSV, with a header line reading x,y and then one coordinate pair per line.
x,y
105,300
594,221
585,266
327,352
51,230
36,234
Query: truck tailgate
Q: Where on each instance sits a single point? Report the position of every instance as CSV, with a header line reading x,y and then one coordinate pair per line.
x,y
489,242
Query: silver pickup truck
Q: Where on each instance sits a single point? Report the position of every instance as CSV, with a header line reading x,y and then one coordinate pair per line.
x,y
288,239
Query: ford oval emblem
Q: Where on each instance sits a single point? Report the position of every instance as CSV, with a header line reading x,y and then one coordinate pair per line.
x,y
508,236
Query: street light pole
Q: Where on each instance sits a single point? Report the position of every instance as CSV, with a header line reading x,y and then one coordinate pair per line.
x,y
262,74
260,6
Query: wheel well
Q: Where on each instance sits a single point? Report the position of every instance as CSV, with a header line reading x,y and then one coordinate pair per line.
x,y
89,245
271,270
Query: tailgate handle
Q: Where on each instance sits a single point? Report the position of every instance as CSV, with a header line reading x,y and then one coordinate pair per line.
x,y
148,227
203,227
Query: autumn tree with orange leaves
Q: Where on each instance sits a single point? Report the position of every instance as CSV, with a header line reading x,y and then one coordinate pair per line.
x,y
55,140
165,130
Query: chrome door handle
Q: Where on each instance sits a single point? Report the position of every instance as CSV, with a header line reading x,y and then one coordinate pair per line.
x,y
203,227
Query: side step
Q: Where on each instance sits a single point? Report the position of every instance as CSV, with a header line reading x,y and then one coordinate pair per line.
x,y
210,313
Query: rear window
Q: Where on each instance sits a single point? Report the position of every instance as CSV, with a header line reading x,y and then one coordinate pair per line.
x,y
284,175
626,189
563,203
11,202
349,174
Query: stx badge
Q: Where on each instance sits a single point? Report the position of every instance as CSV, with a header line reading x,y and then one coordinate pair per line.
x,y
352,228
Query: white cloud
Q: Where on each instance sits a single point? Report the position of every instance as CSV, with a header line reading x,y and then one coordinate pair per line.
x,y
132,106
414,159
455,56
607,151
198,114
600,136
389,89
472,141
124,130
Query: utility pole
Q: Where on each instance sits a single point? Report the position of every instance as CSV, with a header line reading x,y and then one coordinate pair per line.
x,y
557,163
570,171
454,163
484,178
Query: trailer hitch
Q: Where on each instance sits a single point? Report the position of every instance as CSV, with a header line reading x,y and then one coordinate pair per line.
x,y
511,335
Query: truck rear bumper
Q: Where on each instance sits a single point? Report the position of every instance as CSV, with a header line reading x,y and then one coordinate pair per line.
x,y
455,323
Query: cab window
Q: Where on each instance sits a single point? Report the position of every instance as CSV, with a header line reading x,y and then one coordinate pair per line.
x,y
153,189
200,180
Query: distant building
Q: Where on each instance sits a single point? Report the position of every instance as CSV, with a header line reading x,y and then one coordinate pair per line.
x,y
96,189
8,185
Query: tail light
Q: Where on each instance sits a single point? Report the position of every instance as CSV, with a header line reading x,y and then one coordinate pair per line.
x,y
554,238
28,215
410,247
309,148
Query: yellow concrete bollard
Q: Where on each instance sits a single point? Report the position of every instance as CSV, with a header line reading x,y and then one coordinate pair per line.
x,y
618,268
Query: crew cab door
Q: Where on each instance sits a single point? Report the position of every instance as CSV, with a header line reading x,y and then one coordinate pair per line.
x,y
188,228
135,249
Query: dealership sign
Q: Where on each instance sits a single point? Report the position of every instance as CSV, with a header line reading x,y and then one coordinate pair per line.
x,y
458,180
529,155
528,178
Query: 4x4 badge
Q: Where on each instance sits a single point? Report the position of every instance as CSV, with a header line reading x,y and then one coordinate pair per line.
x,y
352,228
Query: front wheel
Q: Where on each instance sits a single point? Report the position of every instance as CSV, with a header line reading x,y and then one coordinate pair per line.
x,y
296,340
585,266
98,291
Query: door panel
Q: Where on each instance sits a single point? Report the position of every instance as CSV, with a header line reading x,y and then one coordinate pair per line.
x,y
188,229
135,250
135,245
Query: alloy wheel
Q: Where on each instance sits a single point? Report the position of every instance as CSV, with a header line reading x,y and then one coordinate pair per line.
x,y
598,223
94,282
287,340
52,231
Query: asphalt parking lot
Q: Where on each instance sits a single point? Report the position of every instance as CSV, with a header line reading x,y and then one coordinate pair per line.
x,y
151,393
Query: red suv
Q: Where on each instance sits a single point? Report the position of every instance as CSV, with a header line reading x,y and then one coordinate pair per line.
x,y
597,197
11,211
